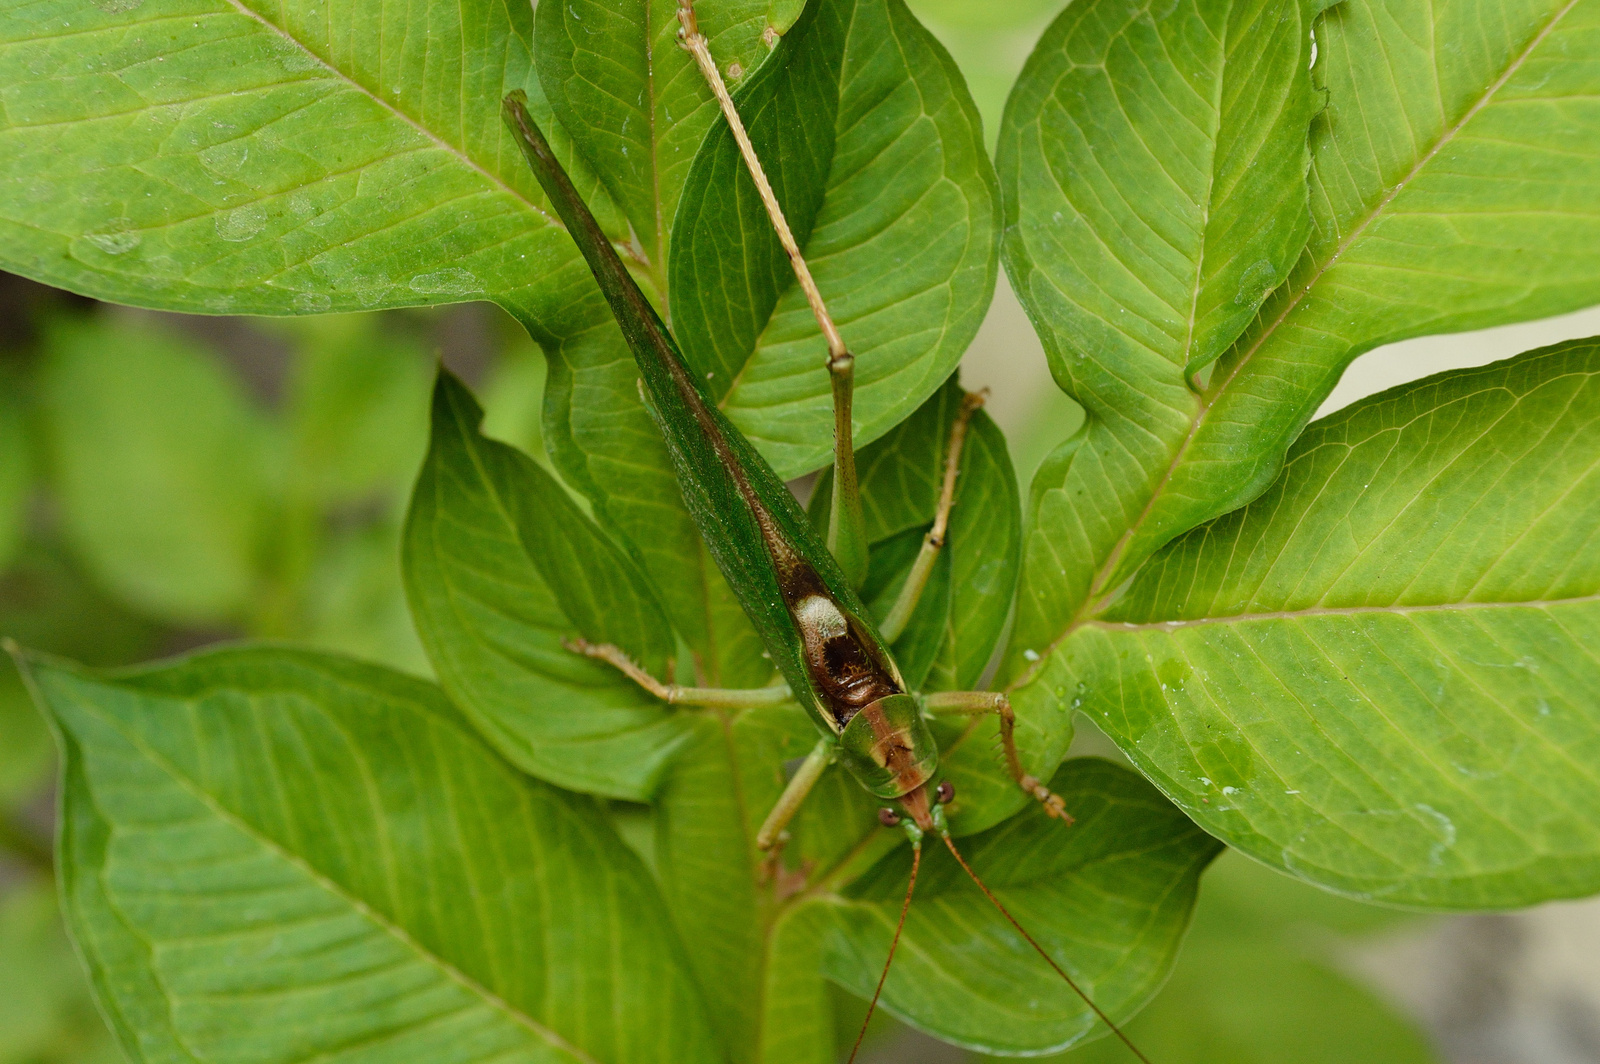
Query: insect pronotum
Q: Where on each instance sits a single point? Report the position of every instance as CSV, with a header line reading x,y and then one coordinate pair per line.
x,y
835,660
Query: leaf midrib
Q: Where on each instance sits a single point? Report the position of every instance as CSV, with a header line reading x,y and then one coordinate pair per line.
x,y
1095,597
400,934
439,142
1336,611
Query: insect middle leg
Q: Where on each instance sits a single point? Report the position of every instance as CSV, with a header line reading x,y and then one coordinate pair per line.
x,y
981,703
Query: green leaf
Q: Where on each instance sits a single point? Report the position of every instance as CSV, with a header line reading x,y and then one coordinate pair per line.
x,y
876,153
278,853
607,447
500,568
1154,170
16,471
159,463
1454,186
1109,898
1380,675
204,155
637,108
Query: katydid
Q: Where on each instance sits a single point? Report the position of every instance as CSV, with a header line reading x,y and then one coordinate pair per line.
x,y
834,658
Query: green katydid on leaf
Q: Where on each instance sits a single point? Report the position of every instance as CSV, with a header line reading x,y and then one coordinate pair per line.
x,y
760,537
836,663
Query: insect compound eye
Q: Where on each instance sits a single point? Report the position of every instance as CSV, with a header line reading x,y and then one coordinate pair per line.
x,y
945,792
888,817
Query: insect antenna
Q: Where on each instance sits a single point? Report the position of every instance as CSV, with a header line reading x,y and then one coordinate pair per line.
x,y
1076,989
905,907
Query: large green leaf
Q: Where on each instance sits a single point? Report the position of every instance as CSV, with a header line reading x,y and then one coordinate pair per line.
x,y
1454,185
277,854
1154,171
160,468
257,157
1109,898
621,82
876,151
1381,675
501,567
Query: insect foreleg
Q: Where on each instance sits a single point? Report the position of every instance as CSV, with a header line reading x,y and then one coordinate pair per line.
x,y
713,697
911,591
847,538
979,703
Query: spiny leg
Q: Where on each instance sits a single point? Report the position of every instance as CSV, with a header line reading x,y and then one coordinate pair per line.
x,y
715,697
846,525
917,579
977,703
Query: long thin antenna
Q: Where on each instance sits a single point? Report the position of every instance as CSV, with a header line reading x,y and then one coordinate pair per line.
x,y
1076,989
905,907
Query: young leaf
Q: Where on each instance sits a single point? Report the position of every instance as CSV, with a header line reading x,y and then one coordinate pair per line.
x,y
1154,170
1380,675
1109,898
501,567
875,150
619,79
269,852
203,155
159,462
